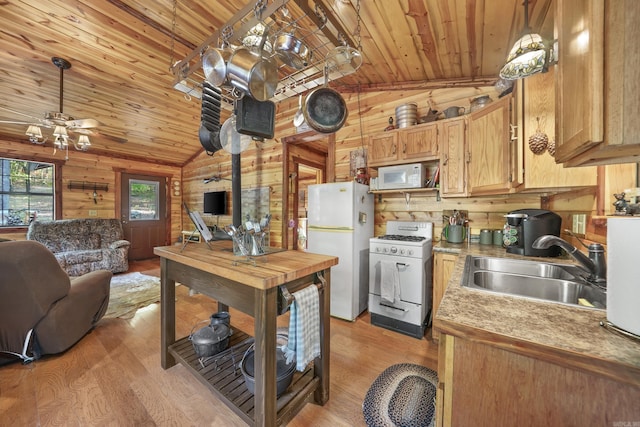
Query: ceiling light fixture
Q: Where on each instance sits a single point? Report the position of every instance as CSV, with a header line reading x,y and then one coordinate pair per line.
x,y
61,137
83,143
528,55
35,135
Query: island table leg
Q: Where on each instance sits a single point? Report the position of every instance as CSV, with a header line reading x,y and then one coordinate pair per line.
x,y
265,312
167,314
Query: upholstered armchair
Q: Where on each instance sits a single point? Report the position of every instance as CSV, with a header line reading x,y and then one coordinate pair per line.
x,y
42,310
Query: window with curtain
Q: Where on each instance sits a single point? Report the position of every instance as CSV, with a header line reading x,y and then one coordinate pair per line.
x,y
26,192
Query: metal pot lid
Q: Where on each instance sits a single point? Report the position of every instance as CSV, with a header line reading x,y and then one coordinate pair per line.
x,y
214,65
230,139
325,110
210,334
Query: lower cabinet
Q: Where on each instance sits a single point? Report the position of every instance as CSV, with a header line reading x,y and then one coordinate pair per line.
x,y
443,264
483,385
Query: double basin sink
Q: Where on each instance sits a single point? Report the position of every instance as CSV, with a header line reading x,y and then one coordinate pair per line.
x,y
559,283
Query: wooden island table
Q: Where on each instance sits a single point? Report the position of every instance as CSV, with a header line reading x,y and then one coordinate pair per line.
x,y
250,285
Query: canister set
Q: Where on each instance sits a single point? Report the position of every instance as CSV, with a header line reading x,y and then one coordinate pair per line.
x,y
491,237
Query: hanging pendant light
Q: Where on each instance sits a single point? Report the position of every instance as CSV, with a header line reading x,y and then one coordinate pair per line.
x,y
528,55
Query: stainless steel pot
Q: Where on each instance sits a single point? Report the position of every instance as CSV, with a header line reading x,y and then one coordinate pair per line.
x,y
252,74
324,110
292,51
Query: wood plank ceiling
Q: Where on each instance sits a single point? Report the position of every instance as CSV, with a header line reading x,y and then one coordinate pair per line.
x,y
121,52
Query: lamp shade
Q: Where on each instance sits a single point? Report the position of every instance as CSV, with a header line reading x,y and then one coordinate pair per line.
x,y
34,131
60,131
83,143
527,56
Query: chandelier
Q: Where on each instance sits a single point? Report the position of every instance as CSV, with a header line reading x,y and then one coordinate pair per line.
x,y
61,138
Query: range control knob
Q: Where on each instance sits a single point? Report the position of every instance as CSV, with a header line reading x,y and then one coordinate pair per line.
x,y
394,249
377,249
410,252
401,251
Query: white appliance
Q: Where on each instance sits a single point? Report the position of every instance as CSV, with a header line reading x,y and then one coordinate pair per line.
x,y
401,176
340,223
407,248
623,289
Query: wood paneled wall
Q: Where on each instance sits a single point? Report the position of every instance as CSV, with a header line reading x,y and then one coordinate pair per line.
x,y
262,166
369,113
85,166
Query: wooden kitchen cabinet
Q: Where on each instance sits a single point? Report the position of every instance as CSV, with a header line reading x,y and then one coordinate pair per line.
x,y
598,82
541,170
453,162
476,156
483,385
413,144
443,264
488,149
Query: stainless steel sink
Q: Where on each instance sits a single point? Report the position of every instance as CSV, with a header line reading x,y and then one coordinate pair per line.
x,y
530,279
529,268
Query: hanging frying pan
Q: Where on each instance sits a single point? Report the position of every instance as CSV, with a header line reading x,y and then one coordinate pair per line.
x,y
324,110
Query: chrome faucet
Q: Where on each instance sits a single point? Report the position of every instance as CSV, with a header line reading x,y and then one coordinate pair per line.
x,y
595,263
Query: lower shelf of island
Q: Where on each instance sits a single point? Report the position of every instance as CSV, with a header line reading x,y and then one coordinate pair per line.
x,y
221,373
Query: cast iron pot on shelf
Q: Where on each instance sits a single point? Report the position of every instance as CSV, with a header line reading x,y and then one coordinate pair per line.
x,y
284,371
210,340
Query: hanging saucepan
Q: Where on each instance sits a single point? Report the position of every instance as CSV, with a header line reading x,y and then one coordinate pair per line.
x,y
324,109
253,74
214,65
292,51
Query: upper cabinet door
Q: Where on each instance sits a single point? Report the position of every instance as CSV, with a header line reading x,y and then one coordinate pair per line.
x,y
579,76
453,170
489,157
383,148
420,142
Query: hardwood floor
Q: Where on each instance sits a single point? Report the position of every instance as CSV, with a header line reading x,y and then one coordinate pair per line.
x,y
113,376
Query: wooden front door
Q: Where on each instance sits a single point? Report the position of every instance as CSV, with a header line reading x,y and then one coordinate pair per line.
x,y
143,213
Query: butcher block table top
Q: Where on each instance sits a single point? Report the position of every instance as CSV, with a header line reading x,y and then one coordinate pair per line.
x,y
261,272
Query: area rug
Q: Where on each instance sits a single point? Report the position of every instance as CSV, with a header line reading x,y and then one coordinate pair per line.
x,y
402,395
132,291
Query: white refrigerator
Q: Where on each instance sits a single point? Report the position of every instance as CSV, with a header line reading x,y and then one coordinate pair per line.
x,y
340,223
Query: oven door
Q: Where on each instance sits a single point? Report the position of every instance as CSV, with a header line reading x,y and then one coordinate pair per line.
x,y
410,271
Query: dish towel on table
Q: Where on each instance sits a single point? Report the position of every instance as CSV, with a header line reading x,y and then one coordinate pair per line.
x,y
304,328
389,281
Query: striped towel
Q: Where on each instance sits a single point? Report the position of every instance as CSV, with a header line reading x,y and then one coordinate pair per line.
x,y
304,328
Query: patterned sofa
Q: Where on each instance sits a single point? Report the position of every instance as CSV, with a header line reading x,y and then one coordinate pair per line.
x,y
84,245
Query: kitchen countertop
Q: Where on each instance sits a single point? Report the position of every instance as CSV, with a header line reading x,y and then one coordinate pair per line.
x,y
570,336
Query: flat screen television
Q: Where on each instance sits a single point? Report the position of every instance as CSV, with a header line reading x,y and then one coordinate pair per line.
x,y
215,203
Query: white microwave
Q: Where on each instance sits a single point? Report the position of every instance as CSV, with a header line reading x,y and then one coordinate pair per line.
x,y
402,176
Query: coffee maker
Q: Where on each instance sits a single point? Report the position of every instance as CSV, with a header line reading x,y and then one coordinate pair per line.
x,y
524,226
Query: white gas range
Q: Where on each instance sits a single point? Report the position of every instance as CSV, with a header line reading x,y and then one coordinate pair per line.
x,y
400,285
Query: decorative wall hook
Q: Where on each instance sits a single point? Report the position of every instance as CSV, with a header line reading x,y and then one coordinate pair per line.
x,y
94,187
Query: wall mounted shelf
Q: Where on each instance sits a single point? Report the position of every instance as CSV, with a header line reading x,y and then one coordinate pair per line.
x,y
407,193
85,185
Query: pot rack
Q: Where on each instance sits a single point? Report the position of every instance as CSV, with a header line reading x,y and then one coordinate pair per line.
x,y
309,20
